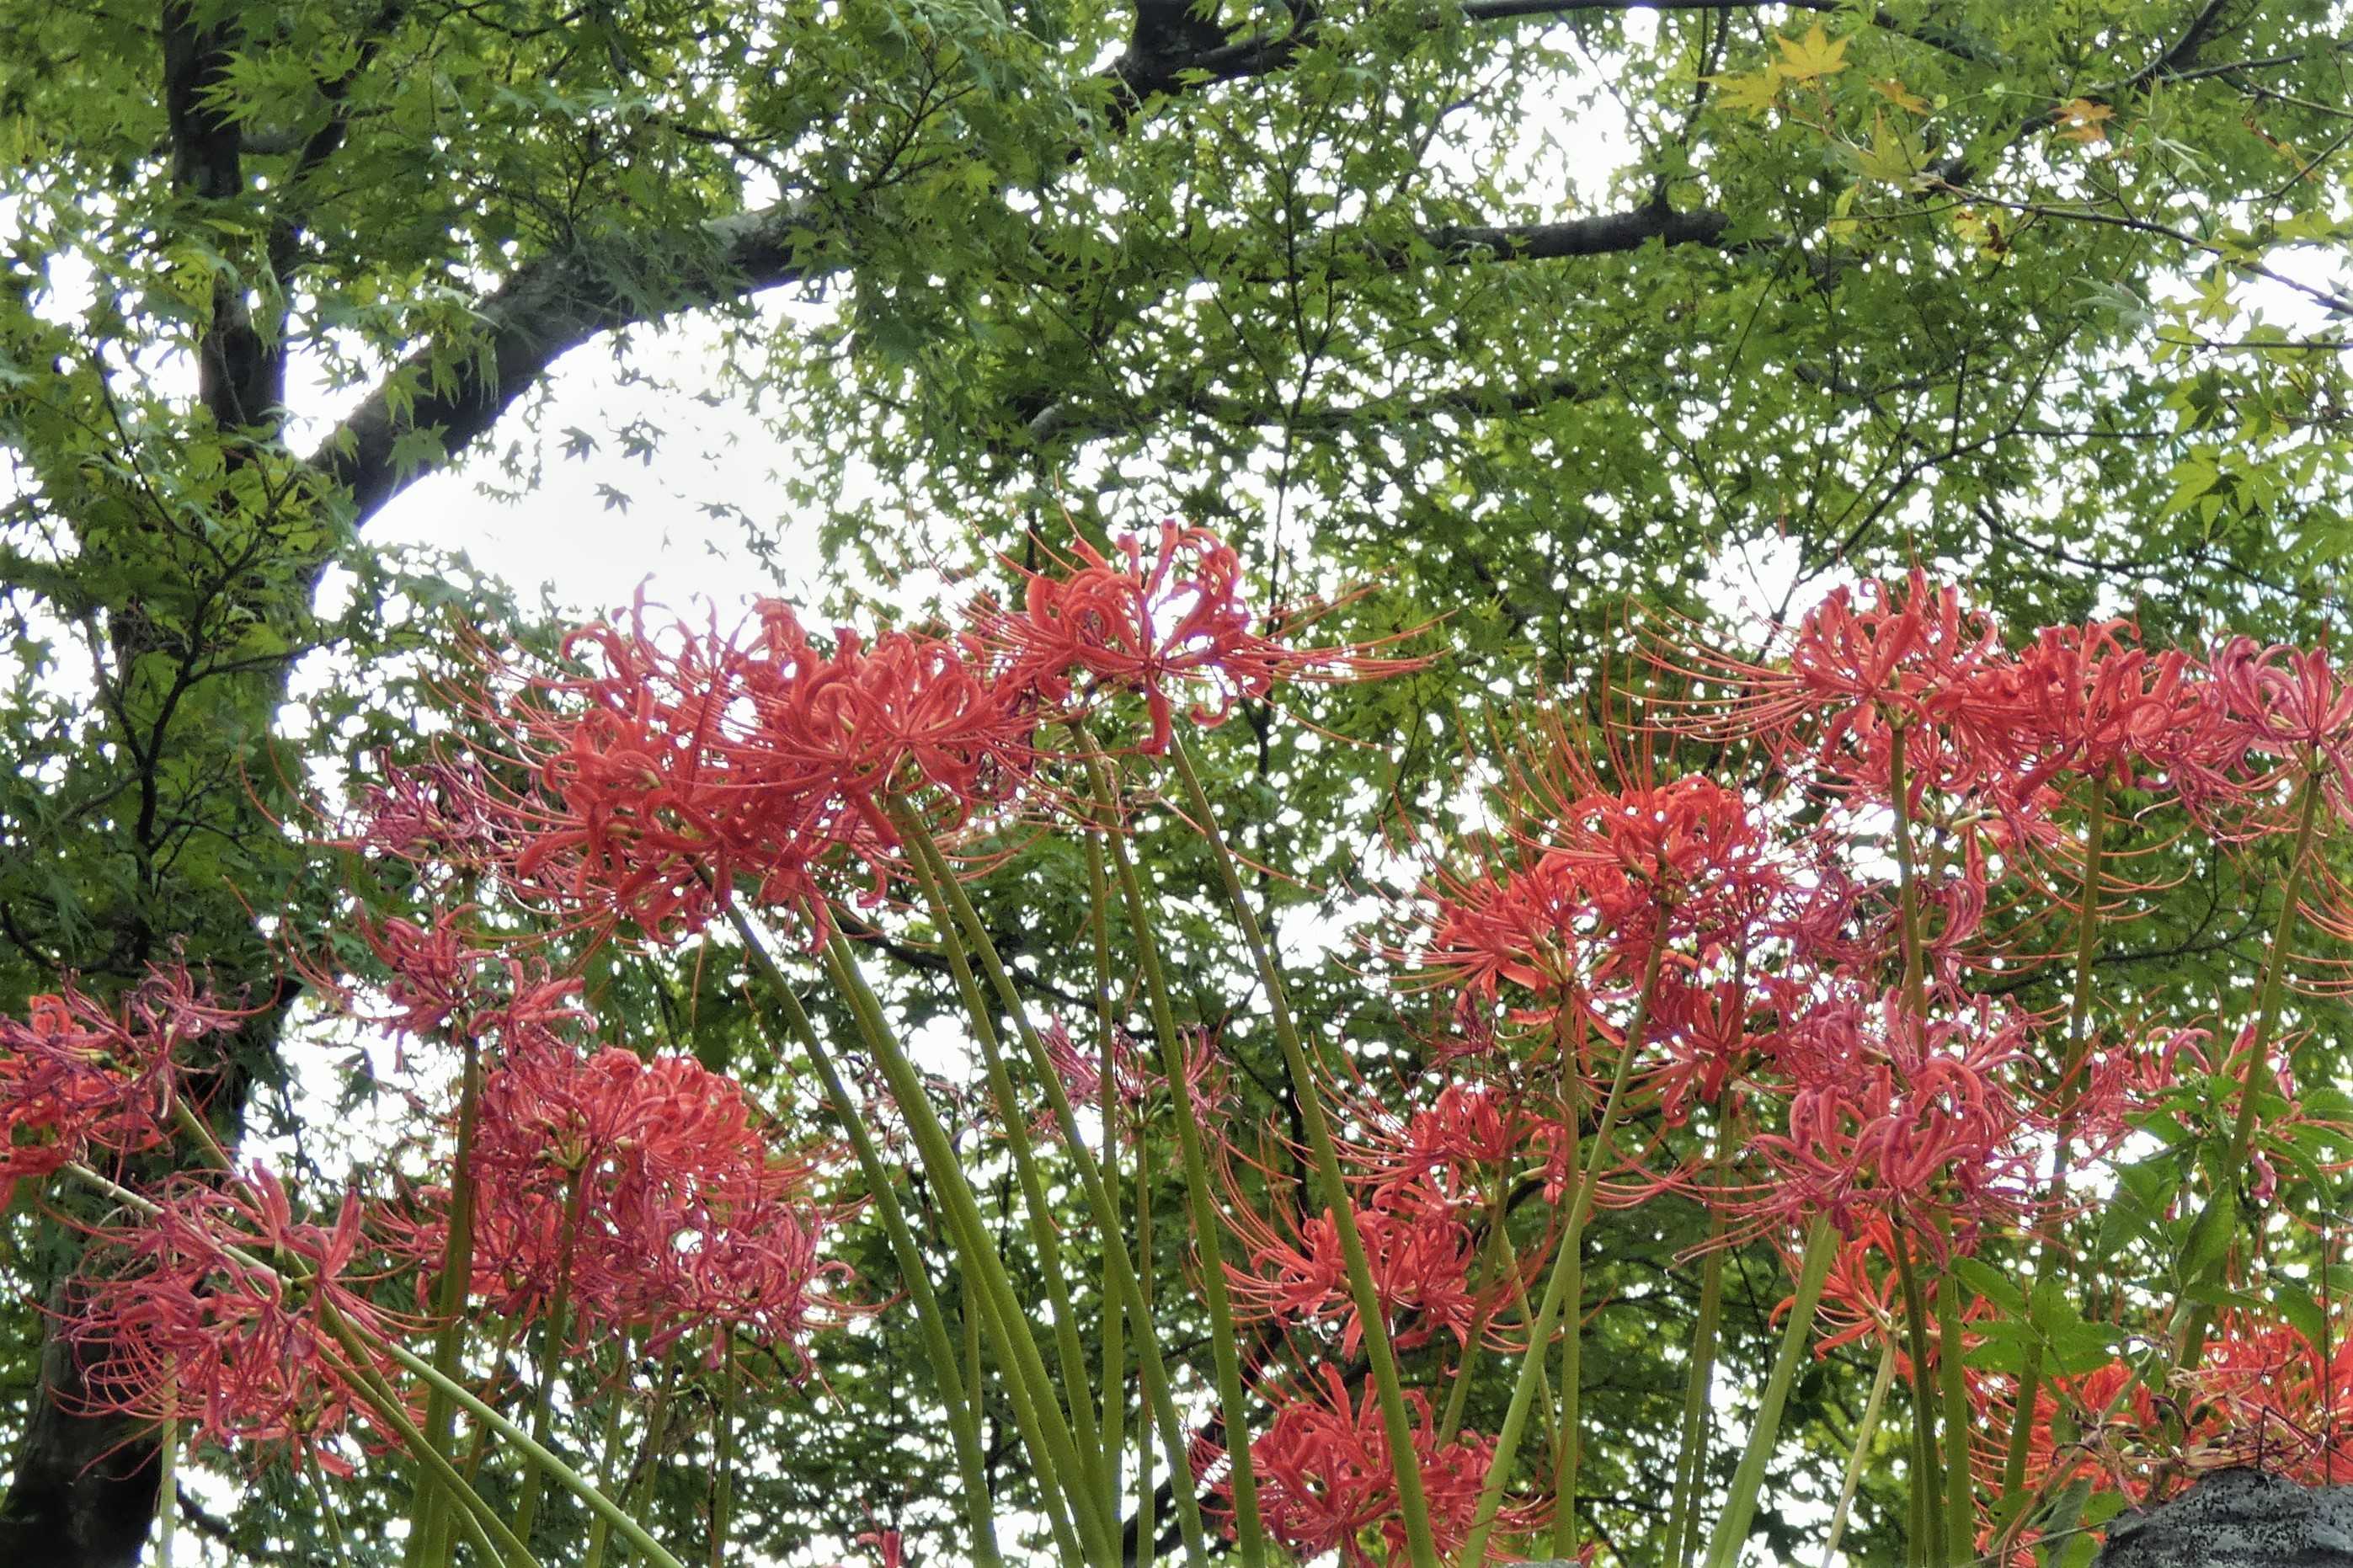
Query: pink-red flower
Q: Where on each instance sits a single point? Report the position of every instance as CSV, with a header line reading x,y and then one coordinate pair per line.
x,y
78,1074
215,1311
1172,628
1326,1483
646,1191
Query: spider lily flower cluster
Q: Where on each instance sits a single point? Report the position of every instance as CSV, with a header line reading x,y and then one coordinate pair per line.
x,y
1805,945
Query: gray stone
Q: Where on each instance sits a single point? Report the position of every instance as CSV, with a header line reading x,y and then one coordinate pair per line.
x,y
2238,1519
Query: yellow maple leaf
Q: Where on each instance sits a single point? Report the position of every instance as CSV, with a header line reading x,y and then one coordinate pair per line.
x,y
1902,97
1802,59
2081,120
1758,92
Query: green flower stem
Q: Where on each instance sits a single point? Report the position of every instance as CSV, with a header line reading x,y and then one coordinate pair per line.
x,y
722,1492
1926,1484
428,1540
383,1404
1053,1453
952,907
2222,1206
1045,1233
1961,1496
963,1416
1146,1496
572,1481
473,1517
318,1480
1113,1420
1916,983
1691,1454
1563,1273
1748,1479
167,1485
648,1465
1568,1442
1382,1358
551,1351
1491,1260
1250,1534
2079,1009
1864,1430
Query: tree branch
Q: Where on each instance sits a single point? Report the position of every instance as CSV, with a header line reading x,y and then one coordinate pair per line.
x,y
554,305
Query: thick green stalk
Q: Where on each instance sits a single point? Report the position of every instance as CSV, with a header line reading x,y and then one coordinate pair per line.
x,y
1113,1419
964,1418
1147,1495
1960,1498
550,1353
1250,1534
1308,1095
1915,985
2079,1009
1571,1439
2222,1207
1748,1479
479,1521
1548,1312
1864,1431
1055,1454
428,1540
723,1491
1926,1484
953,908
1045,1233
1491,1260
167,1489
641,1474
572,1481
1691,1470
326,1505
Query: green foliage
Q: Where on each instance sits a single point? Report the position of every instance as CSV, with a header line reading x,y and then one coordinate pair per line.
x,y
1512,312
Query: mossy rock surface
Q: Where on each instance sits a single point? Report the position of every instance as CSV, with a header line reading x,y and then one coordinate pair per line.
x,y
2238,1519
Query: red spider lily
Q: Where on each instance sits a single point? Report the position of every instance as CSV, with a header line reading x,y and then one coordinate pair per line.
x,y
78,1074
1442,1157
1421,1258
211,1311
2287,703
433,814
1703,1034
2275,714
1503,926
445,980
1901,1119
1688,861
832,734
648,1188
2118,1082
1134,1079
2268,1396
2116,1450
1177,623
1862,1297
1325,1483
2103,1447
2091,702
1866,665
677,765
633,804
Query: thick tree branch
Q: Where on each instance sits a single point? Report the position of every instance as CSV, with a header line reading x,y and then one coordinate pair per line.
x,y
554,305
